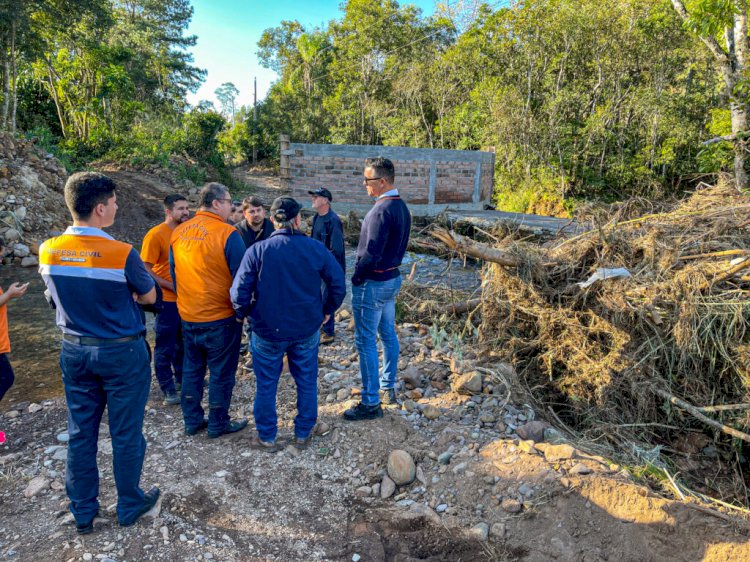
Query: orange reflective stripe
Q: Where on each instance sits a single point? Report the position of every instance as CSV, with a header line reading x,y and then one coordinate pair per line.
x,y
84,251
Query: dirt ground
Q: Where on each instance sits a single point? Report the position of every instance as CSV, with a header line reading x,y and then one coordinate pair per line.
x,y
480,493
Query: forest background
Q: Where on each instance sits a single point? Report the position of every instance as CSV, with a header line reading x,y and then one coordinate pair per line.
x,y
580,99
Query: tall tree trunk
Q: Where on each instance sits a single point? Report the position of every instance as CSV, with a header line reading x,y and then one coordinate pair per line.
x,y
6,87
731,63
14,91
738,103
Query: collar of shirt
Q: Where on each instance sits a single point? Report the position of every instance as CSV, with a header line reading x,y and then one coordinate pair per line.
x,y
392,193
287,231
87,231
210,215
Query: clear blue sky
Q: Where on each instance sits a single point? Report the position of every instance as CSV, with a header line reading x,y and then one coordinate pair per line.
x,y
228,32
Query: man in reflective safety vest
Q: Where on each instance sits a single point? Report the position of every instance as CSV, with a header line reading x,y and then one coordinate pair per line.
x,y
96,284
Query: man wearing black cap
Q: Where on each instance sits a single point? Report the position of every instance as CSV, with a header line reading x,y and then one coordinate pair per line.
x,y
278,287
327,228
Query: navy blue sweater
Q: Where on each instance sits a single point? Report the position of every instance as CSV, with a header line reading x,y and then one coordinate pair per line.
x,y
382,241
278,286
328,230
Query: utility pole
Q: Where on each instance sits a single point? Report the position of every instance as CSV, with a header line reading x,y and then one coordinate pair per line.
x,y
255,120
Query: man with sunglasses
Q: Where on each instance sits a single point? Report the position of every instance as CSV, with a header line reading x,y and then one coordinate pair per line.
x,y
375,285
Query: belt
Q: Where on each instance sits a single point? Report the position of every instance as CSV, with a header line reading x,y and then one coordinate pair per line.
x,y
97,341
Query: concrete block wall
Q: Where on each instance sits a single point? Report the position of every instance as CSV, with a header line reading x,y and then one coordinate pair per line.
x,y
429,180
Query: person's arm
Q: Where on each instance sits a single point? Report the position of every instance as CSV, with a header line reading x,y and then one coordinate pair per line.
x,y
171,269
163,283
139,280
242,291
333,277
234,251
337,242
376,235
14,291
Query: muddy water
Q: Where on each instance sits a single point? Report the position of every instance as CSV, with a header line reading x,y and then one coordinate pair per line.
x,y
35,339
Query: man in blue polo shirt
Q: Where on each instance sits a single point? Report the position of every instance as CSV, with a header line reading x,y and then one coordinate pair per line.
x,y
278,287
96,285
375,284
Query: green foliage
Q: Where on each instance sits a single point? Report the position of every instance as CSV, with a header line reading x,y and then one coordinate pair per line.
x,y
580,98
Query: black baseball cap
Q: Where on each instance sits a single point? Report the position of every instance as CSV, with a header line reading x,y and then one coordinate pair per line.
x,y
284,209
322,192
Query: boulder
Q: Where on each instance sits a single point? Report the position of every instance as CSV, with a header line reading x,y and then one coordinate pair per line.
x,y
401,467
468,384
532,431
36,486
29,261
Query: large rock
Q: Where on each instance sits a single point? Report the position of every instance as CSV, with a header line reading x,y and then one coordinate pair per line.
x,y
36,486
532,431
11,235
401,467
468,384
387,487
557,453
29,261
21,250
411,377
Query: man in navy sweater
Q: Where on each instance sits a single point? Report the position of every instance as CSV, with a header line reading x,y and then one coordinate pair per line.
x,y
375,285
278,287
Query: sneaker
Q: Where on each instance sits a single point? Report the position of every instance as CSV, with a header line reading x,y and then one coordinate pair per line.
x,y
363,412
232,427
194,430
171,399
302,442
326,339
388,397
149,501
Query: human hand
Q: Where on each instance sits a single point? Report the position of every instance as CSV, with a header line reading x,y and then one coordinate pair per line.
x,y
17,290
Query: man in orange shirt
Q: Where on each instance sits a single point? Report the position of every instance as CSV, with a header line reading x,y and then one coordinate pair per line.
x,y
155,255
6,370
205,254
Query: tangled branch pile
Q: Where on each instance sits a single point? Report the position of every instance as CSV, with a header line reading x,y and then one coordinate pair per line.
x,y
679,325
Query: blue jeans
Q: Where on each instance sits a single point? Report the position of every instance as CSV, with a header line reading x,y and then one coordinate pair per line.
x,y
268,357
374,311
117,376
217,347
168,351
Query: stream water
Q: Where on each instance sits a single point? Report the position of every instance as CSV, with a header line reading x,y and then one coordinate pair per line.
x,y
35,339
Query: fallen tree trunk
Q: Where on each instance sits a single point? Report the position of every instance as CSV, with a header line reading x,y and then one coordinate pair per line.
x,y
466,306
479,250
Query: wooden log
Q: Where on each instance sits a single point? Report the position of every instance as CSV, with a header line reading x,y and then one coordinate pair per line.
x,y
697,413
465,245
723,253
466,306
731,272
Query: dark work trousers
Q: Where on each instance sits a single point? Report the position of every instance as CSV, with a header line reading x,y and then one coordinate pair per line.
x,y
117,376
168,351
6,375
214,346
329,326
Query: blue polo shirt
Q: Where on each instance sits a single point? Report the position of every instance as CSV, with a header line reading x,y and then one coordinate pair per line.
x,y
92,278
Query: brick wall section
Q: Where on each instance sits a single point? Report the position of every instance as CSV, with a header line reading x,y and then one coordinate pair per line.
x,y
428,180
